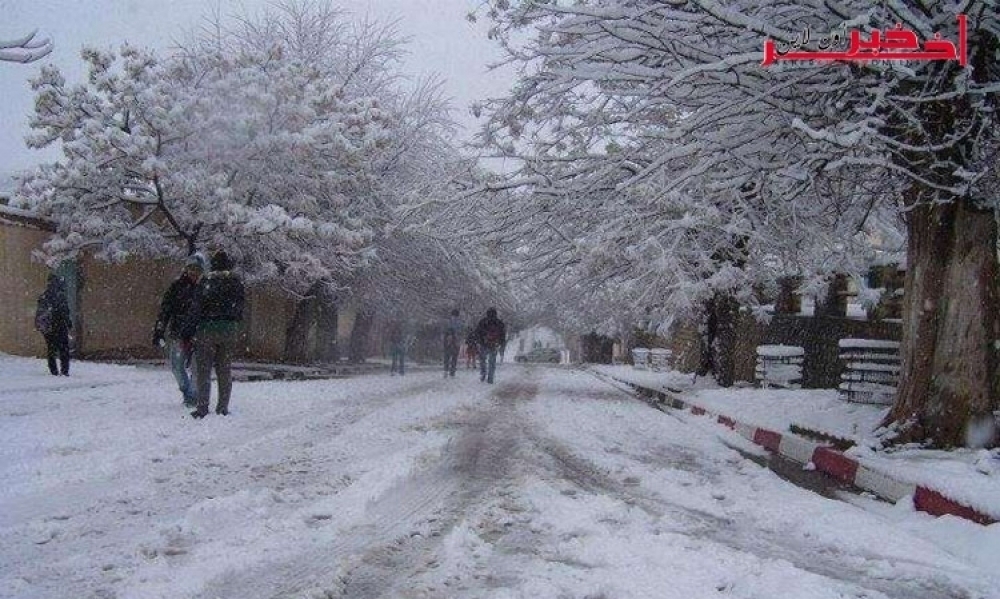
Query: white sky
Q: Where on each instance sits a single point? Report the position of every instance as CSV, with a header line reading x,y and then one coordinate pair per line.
x,y
442,41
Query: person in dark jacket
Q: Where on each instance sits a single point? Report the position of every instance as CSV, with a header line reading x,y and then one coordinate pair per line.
x,y
174,328
491,336
452,339
397,346
53,321
218,311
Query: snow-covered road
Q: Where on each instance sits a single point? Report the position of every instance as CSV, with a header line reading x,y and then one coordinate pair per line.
x,y
549,484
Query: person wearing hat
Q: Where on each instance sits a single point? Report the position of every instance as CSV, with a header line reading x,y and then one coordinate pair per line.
x,y
175,327
218,310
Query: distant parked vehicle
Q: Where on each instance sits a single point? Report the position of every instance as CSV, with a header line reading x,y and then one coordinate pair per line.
x,y
539,354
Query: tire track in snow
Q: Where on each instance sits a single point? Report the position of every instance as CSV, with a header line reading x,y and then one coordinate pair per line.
x,y
403,528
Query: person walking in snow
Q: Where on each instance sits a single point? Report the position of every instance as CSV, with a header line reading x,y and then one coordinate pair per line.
x,y
452,340
491,336
218,311
174,329
397,346
470,349
53,321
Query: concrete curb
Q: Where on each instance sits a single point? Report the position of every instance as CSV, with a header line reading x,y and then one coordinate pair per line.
x,y
825,459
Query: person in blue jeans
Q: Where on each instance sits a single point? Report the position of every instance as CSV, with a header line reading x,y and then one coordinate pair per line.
x,y
397,347
173,329
491,336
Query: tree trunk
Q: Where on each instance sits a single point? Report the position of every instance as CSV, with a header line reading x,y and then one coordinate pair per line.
x,y
788,300
298,335
326,328
834,303
360,333
718,339
727,313
951,314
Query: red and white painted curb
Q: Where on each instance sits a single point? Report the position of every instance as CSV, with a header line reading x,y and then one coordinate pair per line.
x,y
825,459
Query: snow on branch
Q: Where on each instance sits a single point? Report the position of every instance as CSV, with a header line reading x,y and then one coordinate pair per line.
x,y
25,49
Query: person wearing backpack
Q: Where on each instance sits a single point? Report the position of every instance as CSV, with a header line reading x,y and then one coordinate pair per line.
x,y
52,320
174,329
491,335
452,340
217,314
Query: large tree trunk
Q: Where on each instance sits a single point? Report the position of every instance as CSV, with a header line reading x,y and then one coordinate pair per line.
x,y
298,335
951,314
327,320
834,302
718,339
360,334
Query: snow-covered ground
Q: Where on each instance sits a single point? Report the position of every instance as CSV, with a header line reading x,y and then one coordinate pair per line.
x,y
969,476
549,484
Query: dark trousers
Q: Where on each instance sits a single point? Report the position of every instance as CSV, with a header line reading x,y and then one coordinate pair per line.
x,y
450,359
214,350
398,358
57,344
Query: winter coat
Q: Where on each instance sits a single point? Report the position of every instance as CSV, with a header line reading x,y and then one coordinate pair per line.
x,y
397,334
491,333
177,316
452,332
52,315
218,302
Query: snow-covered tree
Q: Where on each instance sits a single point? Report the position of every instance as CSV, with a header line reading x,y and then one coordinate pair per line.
x,y
253,152
418,270
666,160
25,49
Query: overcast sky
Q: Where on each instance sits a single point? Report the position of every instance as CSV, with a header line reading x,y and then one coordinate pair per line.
x,y
441,41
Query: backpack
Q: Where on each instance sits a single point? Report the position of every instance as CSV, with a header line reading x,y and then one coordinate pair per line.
x,y
44,317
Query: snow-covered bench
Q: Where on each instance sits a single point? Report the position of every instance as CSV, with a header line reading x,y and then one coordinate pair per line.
x,y
640,358
779,366
871,370
659,359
